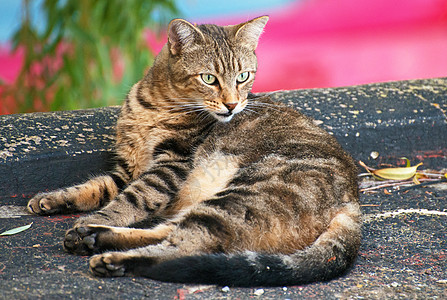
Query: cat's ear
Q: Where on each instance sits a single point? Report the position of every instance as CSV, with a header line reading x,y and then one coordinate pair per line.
x,y
248,33
183,35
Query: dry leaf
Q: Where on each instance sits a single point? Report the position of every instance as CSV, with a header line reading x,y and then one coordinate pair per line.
x,y
401,173
16,230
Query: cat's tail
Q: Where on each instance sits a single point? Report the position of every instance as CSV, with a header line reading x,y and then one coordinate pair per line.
x,y
329,256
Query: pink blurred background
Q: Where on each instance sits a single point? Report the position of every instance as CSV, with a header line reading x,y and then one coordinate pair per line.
x,y
324,43
329,43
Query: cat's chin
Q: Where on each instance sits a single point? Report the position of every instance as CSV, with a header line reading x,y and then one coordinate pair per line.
x,y
223,117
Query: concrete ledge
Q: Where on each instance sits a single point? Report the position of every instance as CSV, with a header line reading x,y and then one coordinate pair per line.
x,y
44,151
395,117
403,253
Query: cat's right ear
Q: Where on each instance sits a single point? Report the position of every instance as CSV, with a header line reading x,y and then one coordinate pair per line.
x,y
248,33
182,36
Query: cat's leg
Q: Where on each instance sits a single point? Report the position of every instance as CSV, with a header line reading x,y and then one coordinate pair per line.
x,y
149,196
197,233
170,188
121,263
88,196
99,238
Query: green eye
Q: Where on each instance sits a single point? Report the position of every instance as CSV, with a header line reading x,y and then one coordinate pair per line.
x,y
242,77
208,78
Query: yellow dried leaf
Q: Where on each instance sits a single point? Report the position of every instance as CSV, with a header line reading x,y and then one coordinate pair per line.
x,y
416,179
401,173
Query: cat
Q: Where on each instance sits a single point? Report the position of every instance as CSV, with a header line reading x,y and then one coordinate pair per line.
x,y
214,184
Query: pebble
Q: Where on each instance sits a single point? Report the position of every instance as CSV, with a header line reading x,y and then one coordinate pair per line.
x,y
225,289
259,292
374,154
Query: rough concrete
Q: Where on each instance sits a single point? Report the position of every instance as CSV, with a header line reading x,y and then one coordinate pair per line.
x,y
404,250
50,150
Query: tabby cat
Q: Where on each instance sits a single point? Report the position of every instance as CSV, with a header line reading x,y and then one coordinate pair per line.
x,y
214,184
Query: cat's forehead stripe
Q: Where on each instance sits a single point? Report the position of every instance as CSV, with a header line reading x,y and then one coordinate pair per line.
x,y
214,31
226,60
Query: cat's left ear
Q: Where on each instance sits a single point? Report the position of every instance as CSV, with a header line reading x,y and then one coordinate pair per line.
x,y
182,36
248,33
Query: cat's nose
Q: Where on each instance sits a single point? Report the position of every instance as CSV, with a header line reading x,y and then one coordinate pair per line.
x,y
230,106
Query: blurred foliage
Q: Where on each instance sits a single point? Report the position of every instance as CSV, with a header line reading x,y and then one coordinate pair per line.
x,y
88,54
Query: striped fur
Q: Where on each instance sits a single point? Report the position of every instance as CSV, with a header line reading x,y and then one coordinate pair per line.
x,y
213,184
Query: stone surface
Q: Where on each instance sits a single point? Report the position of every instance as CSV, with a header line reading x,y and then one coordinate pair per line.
x,y
44,151
404,250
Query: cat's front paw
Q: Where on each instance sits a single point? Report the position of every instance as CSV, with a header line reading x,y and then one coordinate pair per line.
x,y
47,204
109,264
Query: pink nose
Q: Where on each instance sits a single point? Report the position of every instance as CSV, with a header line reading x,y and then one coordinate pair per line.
x,y
230,106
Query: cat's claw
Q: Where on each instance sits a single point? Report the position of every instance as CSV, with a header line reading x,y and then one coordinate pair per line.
x,y
108,265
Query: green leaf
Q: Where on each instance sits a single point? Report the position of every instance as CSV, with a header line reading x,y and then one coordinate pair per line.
x,y
17,230
67,62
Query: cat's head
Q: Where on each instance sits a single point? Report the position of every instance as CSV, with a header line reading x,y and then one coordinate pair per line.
x,y
212,68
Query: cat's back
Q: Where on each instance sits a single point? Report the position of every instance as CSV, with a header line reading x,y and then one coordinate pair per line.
x,y
270,127
277,140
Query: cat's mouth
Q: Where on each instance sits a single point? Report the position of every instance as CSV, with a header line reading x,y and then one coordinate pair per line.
x,y
225,114
232,109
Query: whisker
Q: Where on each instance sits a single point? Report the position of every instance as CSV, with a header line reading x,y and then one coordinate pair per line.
x,y
248,110
263,105
188,111
260,103
180,108
203,115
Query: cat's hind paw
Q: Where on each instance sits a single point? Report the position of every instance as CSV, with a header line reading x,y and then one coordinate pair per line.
x,y
109,264
81,240
88,239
